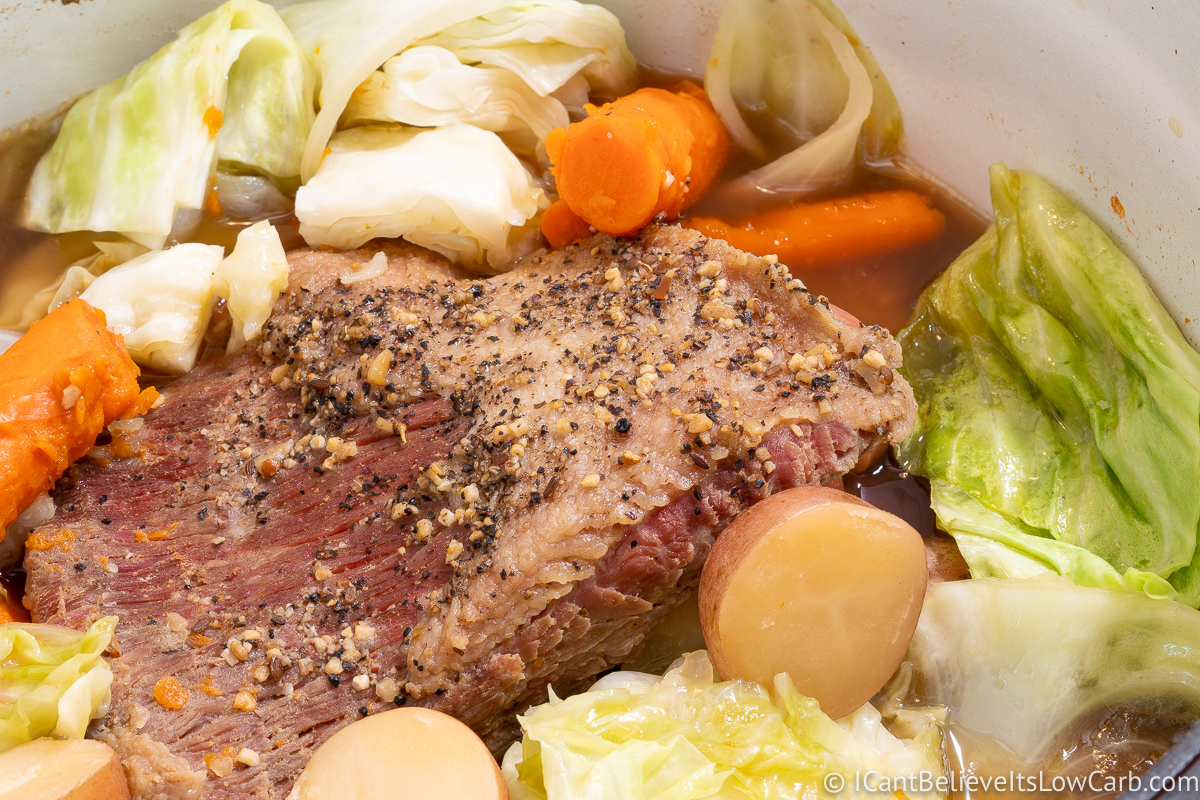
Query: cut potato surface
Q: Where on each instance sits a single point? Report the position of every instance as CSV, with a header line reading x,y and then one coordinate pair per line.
x,y
818,584
410,753
54,769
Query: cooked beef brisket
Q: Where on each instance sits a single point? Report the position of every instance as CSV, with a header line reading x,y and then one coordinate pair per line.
x,y
430,489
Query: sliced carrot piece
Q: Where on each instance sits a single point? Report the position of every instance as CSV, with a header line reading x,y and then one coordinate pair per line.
x,y
60,384
10,611
650,152
561,226
807,234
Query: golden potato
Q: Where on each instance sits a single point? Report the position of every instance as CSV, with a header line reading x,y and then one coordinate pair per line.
x,y
818,584
55,769
414,753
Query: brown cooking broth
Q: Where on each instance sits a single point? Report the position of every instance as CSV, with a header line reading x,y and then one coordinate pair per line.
x,y
30,261
880,289
1109,744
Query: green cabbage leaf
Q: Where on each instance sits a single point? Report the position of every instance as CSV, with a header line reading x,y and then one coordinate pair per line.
x,y
1058,405
1019,661
686,736
232,88
53,681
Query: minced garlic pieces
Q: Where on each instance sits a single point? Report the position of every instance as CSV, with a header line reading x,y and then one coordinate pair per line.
x,y
377,373
244,701
874,358
716,310
71,395
613,280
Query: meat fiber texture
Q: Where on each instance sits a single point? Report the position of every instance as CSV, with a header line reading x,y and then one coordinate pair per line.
x,y
432,490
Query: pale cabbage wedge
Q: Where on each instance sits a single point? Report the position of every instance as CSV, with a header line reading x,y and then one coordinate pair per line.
x,y
995,546
12,547
160,303
251,279
249,197
76,278
797,70
547,43
53,680
429,87
232,87
686,736
1019,660
457,190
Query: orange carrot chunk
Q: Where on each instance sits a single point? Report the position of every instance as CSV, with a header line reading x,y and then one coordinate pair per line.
x,y
10,611
141,404
648,152
807,234
561,226
60,384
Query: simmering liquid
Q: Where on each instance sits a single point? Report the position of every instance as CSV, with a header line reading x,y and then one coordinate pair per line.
x,y
1103,745
879,289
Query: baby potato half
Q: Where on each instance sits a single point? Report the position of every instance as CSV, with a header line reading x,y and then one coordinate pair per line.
x,y
818,584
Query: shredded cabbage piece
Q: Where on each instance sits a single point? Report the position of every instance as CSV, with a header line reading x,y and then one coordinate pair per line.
x,y
686,736
233,87
429,87
251,279
798,70
546,42
53,681
457,190
1019,660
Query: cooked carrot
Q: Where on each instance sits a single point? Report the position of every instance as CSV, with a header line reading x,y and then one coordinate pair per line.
x,y
806,234
60,384
561,226
10,611
141,404
648,152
